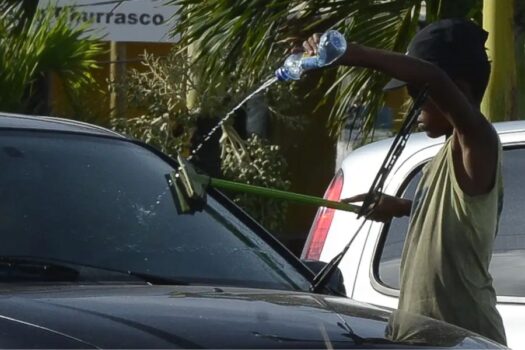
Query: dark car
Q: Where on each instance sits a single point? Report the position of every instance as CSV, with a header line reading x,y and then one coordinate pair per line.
x,y
95,255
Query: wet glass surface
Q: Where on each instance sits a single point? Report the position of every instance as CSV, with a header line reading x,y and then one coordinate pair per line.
x,y
106,202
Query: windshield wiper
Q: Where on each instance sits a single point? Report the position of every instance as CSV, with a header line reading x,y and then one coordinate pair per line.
x,y
26,268
320,281
374,194
20,268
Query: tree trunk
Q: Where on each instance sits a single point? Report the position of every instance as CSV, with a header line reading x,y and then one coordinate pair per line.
x,y
117,76
520,57
500,102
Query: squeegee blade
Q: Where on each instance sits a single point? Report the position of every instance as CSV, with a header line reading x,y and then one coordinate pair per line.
x,y
182,202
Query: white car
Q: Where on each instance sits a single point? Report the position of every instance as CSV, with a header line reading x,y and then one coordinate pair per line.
x,y
371,266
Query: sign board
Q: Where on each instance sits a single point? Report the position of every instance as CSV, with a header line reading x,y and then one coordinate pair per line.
x,y
121,20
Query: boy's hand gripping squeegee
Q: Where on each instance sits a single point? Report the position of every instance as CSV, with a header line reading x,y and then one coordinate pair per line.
x,y
189,188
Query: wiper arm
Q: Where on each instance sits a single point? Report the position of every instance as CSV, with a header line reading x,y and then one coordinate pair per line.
x,y
27,268
374,194
398,145
321,279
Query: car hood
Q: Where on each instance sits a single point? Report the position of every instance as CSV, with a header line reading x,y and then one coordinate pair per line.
x,y
203,317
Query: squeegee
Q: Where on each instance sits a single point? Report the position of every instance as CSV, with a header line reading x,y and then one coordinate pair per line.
x,y
190,190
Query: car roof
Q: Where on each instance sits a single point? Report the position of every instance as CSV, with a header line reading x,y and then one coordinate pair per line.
x,y
368,158
33,122
420,140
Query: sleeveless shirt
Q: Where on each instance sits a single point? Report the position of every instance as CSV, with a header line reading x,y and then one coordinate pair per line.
x,y
445,261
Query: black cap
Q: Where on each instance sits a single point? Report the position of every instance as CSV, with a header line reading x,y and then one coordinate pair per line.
x,y
450,44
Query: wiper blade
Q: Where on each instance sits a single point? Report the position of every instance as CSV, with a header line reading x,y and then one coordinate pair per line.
x,y
51,269
27,268
397,147
372,198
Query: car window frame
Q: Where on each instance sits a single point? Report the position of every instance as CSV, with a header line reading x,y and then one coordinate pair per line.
x,y
220,197
375,281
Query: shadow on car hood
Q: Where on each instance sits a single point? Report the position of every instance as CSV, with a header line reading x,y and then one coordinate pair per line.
x,y
202,317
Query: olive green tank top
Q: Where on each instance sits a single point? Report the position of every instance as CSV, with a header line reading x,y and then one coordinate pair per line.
x,y
445,260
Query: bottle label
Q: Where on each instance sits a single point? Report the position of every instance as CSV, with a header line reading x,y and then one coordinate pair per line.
x,y
308,63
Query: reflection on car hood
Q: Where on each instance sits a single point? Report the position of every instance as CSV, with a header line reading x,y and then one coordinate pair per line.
x,y
76,316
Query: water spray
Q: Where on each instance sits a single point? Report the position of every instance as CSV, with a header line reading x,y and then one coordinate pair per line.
x,y
189,187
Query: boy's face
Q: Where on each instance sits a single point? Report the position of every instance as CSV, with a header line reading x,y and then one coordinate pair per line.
x,y
433,121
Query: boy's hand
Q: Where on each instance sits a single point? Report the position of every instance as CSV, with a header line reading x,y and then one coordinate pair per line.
x,y
311,44
387,207
353,55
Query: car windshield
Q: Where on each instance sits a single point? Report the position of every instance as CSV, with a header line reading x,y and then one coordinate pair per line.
x,y
104,202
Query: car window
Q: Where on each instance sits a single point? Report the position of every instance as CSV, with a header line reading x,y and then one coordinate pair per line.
x,y
106,202
394,235
508,259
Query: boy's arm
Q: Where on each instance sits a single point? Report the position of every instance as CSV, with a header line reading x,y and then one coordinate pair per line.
x,y
418,73
386,208
477,140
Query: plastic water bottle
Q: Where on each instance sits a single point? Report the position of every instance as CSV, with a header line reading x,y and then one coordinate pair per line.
x,y
332,45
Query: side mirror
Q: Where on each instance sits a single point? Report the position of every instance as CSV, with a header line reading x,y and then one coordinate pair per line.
x,y
336,282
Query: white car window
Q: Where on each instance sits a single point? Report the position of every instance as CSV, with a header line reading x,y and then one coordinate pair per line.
x,y
508,260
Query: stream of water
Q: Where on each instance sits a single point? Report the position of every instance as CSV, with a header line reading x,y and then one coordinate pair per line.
x,y
264,86
143,213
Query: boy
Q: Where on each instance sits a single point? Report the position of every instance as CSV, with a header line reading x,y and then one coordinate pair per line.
x,y
455,213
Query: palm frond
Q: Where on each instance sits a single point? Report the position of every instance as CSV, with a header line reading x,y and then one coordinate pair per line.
x,y
45,44
247,39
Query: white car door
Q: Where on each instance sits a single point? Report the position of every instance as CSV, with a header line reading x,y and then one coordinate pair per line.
x,y
377,279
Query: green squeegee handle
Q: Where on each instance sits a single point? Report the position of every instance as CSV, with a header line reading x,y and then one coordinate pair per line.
x,y
284,195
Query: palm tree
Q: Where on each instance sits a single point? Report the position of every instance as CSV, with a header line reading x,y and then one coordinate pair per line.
x,y
247,39
35,46
505,96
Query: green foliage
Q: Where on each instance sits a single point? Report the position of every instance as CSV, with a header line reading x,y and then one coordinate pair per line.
x,y
257,162
157,131
159,93
80,103
32,48
249,38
